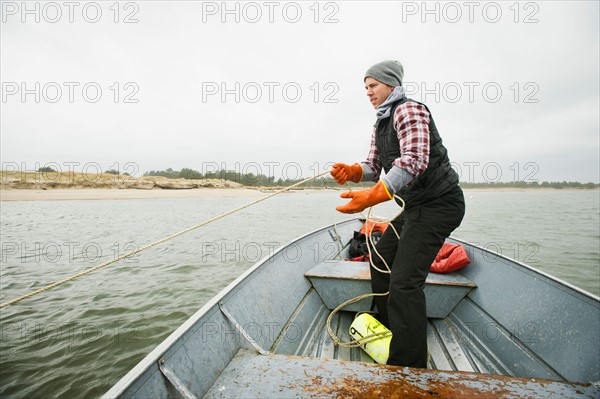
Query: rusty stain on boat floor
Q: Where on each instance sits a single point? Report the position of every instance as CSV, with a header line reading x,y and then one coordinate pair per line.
x,y
301,377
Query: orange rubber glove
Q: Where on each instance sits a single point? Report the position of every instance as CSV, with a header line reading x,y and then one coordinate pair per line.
x,y
342,173
365,198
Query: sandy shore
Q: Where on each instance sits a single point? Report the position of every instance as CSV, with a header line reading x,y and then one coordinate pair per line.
x,y
96,194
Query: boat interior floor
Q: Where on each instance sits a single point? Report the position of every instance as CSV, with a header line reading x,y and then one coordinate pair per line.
x,y
257,376
457,367
449,346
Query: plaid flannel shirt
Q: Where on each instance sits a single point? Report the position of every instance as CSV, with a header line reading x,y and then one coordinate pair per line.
x,y
411,122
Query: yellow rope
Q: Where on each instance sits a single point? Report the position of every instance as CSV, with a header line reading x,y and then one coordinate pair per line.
x,y
129,254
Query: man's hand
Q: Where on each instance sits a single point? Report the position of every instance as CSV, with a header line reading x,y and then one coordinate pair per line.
x,y
343,173
365,198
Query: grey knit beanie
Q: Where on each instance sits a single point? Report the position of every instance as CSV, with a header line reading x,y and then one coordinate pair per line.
x,y
389,72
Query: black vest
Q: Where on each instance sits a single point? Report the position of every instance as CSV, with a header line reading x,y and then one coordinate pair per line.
x,y
437,179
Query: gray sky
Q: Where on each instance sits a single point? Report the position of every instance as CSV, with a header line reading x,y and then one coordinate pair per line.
x,y
276,87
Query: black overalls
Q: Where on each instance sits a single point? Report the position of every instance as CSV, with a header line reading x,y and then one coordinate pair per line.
x,y
434,208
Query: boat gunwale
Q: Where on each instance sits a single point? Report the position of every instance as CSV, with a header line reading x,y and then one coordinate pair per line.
x,y
555,279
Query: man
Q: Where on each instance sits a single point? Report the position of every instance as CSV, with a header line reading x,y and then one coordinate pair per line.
x,y
406,144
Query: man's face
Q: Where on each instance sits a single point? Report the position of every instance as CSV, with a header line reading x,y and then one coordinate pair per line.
x,y
377,92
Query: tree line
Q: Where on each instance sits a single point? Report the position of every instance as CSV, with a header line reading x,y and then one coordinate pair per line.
x,y
252,180
246,179
524,184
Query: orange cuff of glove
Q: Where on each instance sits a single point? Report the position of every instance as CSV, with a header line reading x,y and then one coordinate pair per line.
x,y
343,173
365,198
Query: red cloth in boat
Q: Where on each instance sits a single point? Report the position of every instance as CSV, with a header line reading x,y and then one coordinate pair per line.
x,y
450,257
372,226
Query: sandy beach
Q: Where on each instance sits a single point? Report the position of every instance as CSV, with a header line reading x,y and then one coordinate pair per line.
x,y
96,194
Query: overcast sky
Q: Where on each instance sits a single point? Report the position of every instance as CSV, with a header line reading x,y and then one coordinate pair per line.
x,y
277,88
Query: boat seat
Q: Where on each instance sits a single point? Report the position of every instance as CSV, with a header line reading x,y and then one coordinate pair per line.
x,y
338,281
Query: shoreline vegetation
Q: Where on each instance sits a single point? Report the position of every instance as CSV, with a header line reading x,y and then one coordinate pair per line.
x,y
46,178
49,184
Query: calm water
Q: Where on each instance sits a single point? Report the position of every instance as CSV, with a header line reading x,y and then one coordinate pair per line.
x,y
79,339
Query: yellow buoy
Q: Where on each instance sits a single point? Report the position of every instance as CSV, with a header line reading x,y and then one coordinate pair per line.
x,y
363,329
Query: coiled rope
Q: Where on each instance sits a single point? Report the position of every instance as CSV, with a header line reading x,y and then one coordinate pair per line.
x,y
129,254
373,337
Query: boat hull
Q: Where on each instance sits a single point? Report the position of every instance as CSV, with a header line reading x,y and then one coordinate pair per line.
x,y
514,321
